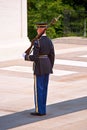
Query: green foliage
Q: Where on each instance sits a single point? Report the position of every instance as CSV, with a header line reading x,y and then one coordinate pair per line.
x,y
76,4
52,34
43,11
46,10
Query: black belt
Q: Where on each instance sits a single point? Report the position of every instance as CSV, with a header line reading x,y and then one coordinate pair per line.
x,y
43,56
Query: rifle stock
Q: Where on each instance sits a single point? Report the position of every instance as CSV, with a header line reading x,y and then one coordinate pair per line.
x,y
39,35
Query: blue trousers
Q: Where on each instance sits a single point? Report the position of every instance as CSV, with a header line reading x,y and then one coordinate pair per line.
x,y
41,93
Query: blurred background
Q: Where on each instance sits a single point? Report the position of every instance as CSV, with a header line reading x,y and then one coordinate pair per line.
x,y
72,23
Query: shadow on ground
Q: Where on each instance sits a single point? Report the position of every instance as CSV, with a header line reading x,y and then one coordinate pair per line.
x,y
53,110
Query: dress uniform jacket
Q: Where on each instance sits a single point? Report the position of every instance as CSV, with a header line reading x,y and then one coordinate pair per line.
x,y
43,56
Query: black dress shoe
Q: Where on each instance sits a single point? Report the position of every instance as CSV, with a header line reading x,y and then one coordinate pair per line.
x,y
37,114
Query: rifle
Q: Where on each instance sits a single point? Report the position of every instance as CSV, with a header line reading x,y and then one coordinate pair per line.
x,y
39,35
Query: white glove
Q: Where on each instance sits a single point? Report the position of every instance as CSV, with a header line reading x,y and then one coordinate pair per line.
x,y
23,55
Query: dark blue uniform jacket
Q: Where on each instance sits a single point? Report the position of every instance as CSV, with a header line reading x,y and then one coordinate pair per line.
x,y
43,56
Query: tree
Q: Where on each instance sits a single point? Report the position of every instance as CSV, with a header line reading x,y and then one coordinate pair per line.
x,y
76,3
44,10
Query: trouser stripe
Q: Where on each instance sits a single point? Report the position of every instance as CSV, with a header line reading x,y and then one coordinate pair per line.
x,y
35,94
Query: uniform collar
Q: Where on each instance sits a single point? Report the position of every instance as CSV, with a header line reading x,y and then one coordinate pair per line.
x,y
44,34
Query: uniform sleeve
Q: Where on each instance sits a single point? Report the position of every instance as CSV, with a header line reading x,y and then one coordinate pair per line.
x,y
35,55
52,54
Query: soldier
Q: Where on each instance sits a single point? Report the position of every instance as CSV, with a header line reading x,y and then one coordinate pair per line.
x,y
43,59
